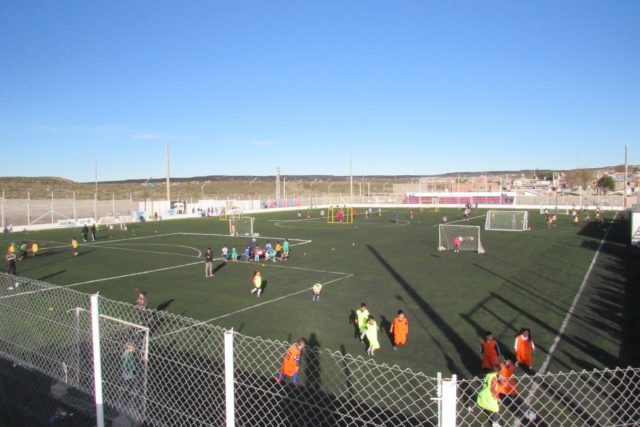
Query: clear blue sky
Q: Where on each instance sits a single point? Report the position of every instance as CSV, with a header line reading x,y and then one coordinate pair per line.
x,y
242,87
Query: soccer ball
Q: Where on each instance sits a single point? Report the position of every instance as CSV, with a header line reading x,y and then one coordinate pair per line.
x,y
472,238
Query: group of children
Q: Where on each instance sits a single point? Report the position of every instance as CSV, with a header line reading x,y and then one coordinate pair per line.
x,y
367,327
15,253
252,252
499,386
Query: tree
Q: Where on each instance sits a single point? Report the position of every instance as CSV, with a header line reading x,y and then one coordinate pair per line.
x,y
606,183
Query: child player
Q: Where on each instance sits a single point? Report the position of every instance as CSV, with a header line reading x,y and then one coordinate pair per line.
x,y
74,246
257,283
457,241
317,288
291,362
371,332
490,352
362,315
399,329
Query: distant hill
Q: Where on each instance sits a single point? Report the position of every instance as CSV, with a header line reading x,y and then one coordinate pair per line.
x,y
250,186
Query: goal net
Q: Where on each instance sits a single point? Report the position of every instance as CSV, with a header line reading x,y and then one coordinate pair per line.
x,y
507,220
467,235
340,215
241,225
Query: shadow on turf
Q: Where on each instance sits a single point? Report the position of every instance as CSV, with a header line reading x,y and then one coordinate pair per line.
x,y
385,325
52,275
219,267
470,358
164,305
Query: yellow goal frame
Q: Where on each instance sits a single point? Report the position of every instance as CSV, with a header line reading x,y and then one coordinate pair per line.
x,y
332,216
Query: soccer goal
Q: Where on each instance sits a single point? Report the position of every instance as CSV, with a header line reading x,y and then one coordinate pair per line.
x,y
340,215
507,220
433,204
467,235
241,225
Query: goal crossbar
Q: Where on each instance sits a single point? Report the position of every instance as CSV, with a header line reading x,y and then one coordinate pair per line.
x,y
500,220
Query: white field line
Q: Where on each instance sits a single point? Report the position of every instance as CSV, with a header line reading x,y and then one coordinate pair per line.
x,y
249,308
242,237
104,279
99,242
122,248
569,314
288,267
277,221
460,220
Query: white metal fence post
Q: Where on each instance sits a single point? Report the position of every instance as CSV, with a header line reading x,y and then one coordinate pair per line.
x,y
228,378
97,360
448,402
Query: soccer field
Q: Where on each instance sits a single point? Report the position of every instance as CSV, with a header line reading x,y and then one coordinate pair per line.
x,y
525,279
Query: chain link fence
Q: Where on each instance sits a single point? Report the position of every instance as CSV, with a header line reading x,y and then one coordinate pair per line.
x,y
162,369
27,212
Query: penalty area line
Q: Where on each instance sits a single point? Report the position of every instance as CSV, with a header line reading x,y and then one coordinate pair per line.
x,y
104,279
249,308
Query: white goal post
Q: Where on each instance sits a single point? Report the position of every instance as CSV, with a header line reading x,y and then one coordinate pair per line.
x,y
499,220
467,235
241,225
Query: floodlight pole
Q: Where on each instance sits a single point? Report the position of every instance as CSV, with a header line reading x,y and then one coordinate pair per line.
x,y
28,208
2,212
626,177
95,199
168,179
351,175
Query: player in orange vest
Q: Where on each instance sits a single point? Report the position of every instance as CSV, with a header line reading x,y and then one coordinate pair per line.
x,y
507,385
291,362
524,347
490,352
399,329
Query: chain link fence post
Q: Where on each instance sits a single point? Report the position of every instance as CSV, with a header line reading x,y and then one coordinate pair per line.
x,y
97,360
228,379
447,389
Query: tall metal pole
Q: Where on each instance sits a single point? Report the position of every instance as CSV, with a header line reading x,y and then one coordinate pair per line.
x,y
95,197
2,213
28,208
626,176
278,186
168,179
351,175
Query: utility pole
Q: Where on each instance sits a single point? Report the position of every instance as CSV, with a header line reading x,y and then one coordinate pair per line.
x,y
95,196
351,175
168,179
626,176
278,186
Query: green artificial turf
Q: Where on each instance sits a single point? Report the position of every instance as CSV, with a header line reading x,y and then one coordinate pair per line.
x,y
525,279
